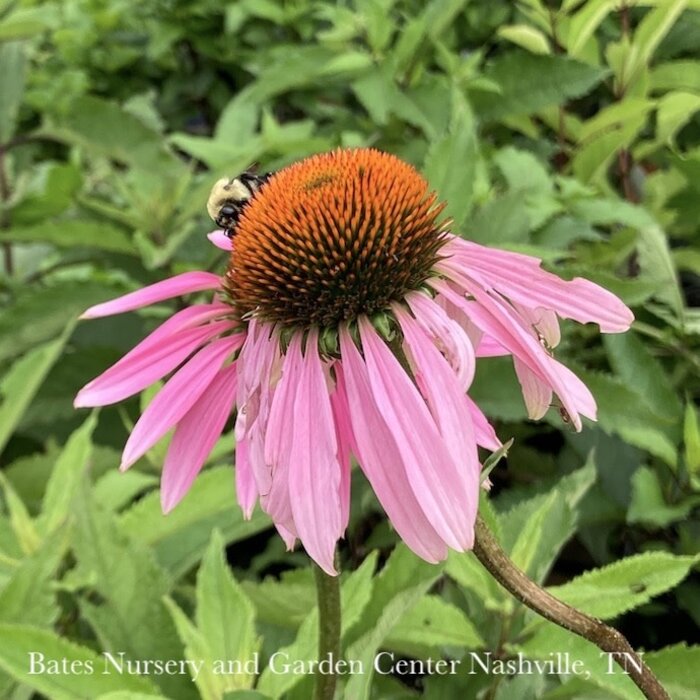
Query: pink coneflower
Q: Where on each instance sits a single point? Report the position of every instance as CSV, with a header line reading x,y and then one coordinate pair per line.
x,y
348,323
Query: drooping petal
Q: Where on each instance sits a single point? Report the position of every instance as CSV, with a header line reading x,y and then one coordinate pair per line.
x,y
177,397
195,437
185,283
537,394
381,461
447,404
246,489
578,299
146,364
449,337
279,435
497,320
484,433
432,472
543,321
346,441
220,240
314,471
488,347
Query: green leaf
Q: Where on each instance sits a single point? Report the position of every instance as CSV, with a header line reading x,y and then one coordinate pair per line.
x,y
648,35
12,64
203,667
625,584
131,617
225,615
526,36
366,647
42,313
73,234
20,384
523,91
180,537
20,520
354,592
108,130
285,601
451,163
691,438
621,412
657,266
677,668
648,505
676,75
29,596
641,371
433,622
536,529
501,220
675,110
583,24
66,477
18,642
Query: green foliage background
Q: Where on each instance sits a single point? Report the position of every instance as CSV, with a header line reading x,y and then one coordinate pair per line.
x,y
568,130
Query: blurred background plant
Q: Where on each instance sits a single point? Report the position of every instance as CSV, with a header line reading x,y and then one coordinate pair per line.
x,y
564,129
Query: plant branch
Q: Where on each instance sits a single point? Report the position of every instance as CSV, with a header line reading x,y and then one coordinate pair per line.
x,y
329,625
489,552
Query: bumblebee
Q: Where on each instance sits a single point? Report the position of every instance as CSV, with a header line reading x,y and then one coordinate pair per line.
x,y
229,197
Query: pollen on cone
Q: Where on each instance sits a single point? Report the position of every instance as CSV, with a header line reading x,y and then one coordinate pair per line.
x,y
332,237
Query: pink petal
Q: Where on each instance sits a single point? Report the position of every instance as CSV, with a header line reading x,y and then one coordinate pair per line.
x,y
176,398
449,407
346,441
148,362
288,536
279,435
246,489
484,434
578,299
449,337
381,460
184,283
220,240
488,347
537,394
435,478
314,472
500,322
195,437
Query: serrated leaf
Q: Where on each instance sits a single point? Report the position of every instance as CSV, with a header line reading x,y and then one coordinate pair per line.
x,y
624,585
523,91
20,384
225,616
179,538
28,597
451,163
17,642
66,476
132,617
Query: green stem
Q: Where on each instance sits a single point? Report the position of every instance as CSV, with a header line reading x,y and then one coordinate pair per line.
x,y
328,594
489,552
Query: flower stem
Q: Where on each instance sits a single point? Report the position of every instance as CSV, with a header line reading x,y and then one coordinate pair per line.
x,y
328,594
489,552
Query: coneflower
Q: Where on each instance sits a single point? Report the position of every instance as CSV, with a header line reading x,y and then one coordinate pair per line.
x,y
348,323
